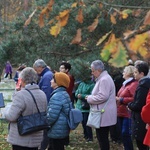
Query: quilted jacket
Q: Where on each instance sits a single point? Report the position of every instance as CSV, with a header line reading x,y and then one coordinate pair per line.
x,y
58,109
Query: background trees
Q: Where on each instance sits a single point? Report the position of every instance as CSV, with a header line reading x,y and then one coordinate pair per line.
x,y
78,31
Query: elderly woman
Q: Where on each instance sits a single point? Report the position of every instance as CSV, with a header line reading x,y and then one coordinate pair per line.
x,y
103,91
124,96
58,109
23,104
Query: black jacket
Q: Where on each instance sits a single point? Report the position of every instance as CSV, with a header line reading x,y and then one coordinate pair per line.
x,y
138,126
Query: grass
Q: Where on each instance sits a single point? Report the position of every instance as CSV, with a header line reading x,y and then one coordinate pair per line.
x,y
77,142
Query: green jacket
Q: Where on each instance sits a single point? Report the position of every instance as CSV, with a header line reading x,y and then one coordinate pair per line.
x,y
84,88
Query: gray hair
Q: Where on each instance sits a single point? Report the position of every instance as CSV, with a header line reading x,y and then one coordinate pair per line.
x,y
98,64
29,75
39,63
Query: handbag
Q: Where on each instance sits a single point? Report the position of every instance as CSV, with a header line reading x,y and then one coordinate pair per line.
x,y
32,123
85,105
94,118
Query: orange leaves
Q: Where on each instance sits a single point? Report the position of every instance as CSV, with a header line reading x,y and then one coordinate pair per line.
x,y
79,17
45,11
93,26
113,19
77,39
63,17
147,19
119,14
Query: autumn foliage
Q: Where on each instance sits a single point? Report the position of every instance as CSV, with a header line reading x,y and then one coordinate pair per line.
x,y
116,50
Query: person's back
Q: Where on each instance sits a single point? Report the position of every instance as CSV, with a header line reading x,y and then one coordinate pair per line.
x,y
8,70
23,104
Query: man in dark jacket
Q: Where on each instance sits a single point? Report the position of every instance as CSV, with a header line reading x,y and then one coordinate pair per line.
x,y
139,127
45,75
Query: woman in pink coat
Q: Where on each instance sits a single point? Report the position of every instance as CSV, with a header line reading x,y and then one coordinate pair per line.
x,y
103,91
145,117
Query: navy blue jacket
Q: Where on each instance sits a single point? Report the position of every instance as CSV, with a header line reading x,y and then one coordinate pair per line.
x,y
44,83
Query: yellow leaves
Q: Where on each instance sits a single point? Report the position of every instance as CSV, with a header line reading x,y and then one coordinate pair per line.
x,y
29,19
114,52
77,39
93,26
147,19
62,20
74,5
55,30
79,17
101,40
137,44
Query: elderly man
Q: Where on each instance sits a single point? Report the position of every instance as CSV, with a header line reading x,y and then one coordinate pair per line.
x,y
44,83
103,92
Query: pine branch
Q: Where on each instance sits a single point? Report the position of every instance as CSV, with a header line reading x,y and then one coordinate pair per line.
x,y
123,6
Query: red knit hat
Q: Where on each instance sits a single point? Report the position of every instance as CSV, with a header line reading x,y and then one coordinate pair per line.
x,y
62,79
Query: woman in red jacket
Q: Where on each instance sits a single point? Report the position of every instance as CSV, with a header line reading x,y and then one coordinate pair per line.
x,y
124,96
145,117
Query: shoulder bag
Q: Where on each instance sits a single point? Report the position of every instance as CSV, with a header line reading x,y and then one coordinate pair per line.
x,y
32,123
94,118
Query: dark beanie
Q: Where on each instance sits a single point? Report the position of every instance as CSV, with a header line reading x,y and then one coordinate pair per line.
x,y
62,79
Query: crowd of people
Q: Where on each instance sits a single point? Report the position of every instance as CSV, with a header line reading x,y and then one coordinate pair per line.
x,y
126,113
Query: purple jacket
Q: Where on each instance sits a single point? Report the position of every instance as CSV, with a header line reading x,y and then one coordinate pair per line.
x,y
8,68
104,90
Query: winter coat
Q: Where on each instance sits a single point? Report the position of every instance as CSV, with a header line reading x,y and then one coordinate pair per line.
x,y
58,109
44,83
126,93
138,126
84,88
23,104
145,117
103,91
8,68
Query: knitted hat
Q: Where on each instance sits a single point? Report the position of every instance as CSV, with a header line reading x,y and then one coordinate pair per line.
x,y
62,79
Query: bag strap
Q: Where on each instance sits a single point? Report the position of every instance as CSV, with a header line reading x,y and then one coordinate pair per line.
x,y
34,100
103,109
